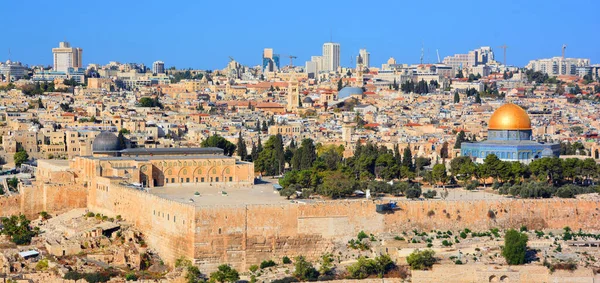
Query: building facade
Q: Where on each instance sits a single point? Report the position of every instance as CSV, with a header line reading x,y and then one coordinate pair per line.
x,y
557,66
158,67
66,57
331,56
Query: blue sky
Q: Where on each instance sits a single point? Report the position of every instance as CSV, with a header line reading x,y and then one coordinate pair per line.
x,y
202,34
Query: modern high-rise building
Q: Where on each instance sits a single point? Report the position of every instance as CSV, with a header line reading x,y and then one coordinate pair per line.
x,y
365,57
270,61
158,67
331,56
66,57
556,66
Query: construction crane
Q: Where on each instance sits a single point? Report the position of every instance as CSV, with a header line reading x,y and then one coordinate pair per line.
x,y
231,59
292,57
438,54
563,50
504,47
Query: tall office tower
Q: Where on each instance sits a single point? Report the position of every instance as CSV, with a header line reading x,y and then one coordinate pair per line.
x,y
66,57
158,67
270,61
365,56
331,56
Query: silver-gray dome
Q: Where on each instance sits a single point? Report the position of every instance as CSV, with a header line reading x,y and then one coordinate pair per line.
x,y
106,141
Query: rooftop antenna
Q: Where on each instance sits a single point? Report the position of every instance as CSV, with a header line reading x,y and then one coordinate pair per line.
x,y
422,52
8,53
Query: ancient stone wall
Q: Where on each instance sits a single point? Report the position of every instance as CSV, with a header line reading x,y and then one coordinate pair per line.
x,y
10,205
52,198
168,226
246,235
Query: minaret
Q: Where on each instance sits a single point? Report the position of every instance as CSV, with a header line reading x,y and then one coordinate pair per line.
x,y
293,99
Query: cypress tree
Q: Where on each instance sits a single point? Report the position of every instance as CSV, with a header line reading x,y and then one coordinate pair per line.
x,y
241,148
456,97
407,158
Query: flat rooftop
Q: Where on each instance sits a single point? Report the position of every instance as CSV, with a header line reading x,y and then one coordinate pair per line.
x,y
213,195
265,194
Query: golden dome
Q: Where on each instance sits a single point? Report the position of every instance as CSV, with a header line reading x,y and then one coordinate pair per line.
x,y
509,117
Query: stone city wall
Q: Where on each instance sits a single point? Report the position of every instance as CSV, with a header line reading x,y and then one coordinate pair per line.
x,y
52,198
168,226
246,235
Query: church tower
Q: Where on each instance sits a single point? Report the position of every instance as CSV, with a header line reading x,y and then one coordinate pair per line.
x,y
359,72
293,99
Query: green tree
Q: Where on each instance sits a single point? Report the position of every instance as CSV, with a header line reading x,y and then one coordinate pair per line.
x,y
407,158
421,260
18,229
456,97
220,142
241,148
439,174
224,274
337,184
271,159
20,157
460,138
340,85
193,275
146,102
305,155
477,98
515,247
290,190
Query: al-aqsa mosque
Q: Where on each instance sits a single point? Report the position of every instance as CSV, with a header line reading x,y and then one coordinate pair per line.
x,y
509,138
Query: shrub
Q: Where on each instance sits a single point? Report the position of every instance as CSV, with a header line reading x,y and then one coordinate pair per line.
x,y
413,193
225,273
362,235
515,247
182,262
365,267
42,264
421,260
430,213
430,194
491,214
304,270
523,229
131,277
253,268
267,263
446,243
463,235
472,185
286,260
